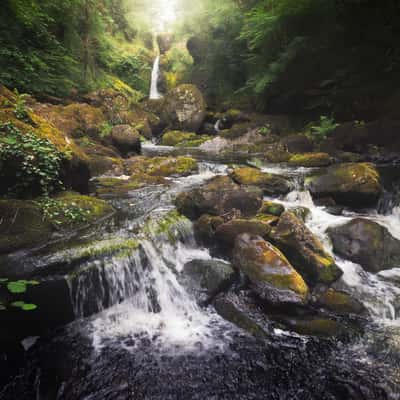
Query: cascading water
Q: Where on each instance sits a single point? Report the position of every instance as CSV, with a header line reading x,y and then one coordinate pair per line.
x,y
154,93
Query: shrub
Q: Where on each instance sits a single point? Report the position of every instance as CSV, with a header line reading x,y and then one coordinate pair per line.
x,y
29,165
325,128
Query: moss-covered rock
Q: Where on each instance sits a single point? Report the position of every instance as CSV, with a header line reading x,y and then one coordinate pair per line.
x,y
367,243
126,139
270,184
74,120
162,166
353,184
310,160
340,302
183,139
227,233
304,250
184,108
298,143
277,156
25,224
272,208
271,275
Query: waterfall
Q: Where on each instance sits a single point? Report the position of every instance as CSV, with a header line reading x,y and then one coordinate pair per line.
x,y
154,93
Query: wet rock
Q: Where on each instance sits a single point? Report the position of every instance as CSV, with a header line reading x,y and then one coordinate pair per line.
x,y
353,184
367,243
304,250
272,208
227,233
230,307
220,196
184,108
297,143
271,275
340,302
277,156
310,160
206,278
164,41
270,184
183,139
205,228
126,139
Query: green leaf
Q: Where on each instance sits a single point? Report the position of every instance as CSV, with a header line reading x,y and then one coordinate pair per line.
x,y
16,287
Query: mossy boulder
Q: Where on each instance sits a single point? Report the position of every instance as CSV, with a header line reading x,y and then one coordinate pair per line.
x,y
352,184
304,250
126,139
269,183
272,208
340,302
25,224
183,139
367,243
227,233
162,166
310,160
272,277
277,156
74,120
220,196
122,187
184,108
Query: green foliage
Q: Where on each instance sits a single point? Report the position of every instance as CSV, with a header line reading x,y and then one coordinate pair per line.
x,y
20,109
265,130
17,288
28,164
325,128
105,130
61,213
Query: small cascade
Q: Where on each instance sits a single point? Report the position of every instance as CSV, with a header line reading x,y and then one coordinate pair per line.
x,y
217,126
154,93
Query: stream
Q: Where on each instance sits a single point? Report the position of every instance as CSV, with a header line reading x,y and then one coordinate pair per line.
x,y
138,333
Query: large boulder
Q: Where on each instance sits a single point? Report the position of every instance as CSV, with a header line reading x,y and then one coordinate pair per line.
x,y
206,278
352,184
269,183
271,275
184,108
367,243
220,196
126,139
304,250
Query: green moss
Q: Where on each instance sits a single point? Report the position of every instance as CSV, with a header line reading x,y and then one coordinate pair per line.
x,y
272,208
161,166
183,139
310,160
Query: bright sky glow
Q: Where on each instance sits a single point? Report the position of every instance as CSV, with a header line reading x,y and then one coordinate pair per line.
x,y
166,14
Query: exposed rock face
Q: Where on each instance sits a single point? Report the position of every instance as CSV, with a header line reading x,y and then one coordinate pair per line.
x,y
304,250
206,278
269,183
353,184
164,41
184,108
367,243
271,275
310,160
297,143
220,196
126,139
227,233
